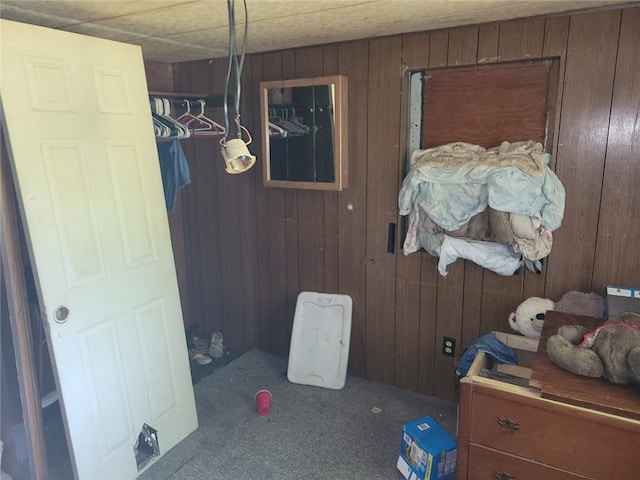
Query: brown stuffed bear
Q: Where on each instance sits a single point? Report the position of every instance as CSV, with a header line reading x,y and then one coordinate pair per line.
x,y
611,351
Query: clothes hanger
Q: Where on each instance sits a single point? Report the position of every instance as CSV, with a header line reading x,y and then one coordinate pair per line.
x,y
190,120
293,128
276,131
168,127
219,129
298,122
200,124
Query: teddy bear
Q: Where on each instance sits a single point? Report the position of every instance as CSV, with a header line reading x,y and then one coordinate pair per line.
x,y
611,351
528,317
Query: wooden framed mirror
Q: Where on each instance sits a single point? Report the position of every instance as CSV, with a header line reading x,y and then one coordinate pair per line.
x,y
304,131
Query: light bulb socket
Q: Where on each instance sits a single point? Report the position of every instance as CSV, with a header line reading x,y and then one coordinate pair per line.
x,y
237,156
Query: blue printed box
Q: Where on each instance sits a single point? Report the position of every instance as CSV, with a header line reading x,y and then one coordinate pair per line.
x,y
622,299
427,452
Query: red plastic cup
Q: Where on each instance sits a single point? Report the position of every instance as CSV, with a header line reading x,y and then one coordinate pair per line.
x,y
263,401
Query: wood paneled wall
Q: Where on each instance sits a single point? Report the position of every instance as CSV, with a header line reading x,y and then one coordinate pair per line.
x,y
244,252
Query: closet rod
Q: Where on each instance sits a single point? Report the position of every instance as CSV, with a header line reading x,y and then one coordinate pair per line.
x,y
210,100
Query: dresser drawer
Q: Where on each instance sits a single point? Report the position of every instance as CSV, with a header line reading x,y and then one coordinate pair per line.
x,y
573,439
489,464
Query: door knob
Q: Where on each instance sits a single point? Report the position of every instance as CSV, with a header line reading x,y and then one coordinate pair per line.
x,y
61,314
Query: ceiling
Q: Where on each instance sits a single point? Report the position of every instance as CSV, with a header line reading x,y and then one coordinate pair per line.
x,y
182,30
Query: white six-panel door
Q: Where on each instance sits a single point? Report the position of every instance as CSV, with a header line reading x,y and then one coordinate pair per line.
x,y
85,162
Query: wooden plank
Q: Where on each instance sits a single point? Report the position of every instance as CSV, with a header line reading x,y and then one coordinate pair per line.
x,y
291,221
206,280
555,45
472,305
189,212
353,62
483,40
382,181
438,49
249,246
463,46
253,215
261,326
486,105
192,208
521,39
415,51
159,76
178,222
586,104
488,43
227,211
449,319
226,316
518,41
207,262
462,49
276,333
18,306
429,277
616,260
330,67
311,267
449,289
488,37
275,330
429,346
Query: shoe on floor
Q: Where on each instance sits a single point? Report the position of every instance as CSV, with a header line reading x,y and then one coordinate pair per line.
x,y
199,345
216,348
199,358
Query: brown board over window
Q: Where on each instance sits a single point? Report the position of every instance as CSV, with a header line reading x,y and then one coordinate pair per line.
x,y
488,104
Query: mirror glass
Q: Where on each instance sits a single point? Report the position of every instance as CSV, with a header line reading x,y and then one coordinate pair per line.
x,y
304,133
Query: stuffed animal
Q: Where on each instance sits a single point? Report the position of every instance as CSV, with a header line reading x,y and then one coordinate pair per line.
x,y
528,317
611,351
579,303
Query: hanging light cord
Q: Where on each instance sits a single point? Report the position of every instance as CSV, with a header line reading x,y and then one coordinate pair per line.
x,y
236,64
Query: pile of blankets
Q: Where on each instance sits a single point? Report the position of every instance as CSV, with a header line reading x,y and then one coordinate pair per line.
x,y
496,207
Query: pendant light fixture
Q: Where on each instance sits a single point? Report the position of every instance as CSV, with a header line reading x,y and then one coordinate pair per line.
x,y
235,151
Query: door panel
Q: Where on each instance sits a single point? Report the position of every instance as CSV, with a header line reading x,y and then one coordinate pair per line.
x,y
85,164
68,180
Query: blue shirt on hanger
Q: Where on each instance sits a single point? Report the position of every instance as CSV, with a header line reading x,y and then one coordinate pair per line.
x,y
174,170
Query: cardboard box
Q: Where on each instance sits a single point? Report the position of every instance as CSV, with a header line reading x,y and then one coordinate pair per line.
x,y
427,452
622,299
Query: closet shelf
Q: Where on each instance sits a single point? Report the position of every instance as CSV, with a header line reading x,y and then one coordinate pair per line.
x,y
210,100
178,115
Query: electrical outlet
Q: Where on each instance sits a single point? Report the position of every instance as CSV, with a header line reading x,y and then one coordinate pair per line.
x,y
448,346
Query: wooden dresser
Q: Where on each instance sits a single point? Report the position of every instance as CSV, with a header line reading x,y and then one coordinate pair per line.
x,y
555,425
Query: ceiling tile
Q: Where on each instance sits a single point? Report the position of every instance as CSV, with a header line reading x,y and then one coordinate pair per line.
x,y
181,30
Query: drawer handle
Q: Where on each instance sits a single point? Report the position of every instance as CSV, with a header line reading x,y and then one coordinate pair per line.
x,y
507,426
502,476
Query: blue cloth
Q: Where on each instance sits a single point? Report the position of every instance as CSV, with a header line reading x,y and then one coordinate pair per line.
x,y
174,170
452,197
490,344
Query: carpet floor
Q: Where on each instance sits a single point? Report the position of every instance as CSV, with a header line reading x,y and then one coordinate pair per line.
x,y
311,433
